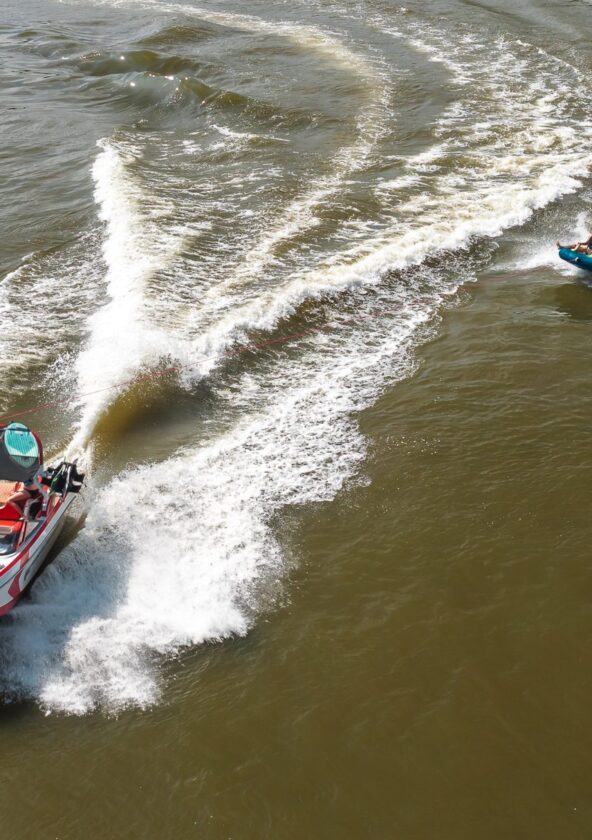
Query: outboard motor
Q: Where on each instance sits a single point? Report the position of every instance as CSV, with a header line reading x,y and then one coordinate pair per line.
x,y
75,479
64,478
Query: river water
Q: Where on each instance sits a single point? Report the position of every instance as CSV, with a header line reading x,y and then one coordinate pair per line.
x,y
286,272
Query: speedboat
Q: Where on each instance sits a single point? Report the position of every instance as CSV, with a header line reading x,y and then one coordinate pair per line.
x,y
34,501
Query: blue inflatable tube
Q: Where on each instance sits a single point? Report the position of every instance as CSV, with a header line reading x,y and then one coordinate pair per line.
x,y
573,257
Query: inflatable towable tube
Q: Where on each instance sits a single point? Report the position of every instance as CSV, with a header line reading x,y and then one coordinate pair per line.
x,y
575,258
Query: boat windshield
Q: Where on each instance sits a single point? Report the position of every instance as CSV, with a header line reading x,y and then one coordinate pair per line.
x,y
7,541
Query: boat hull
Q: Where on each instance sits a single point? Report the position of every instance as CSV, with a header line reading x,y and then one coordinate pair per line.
x,y
22,566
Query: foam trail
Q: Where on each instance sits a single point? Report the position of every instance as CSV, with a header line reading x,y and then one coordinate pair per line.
x,y
136,245
72,270
195,567
18,322
121,339
482,214
370,125
300,215
499,187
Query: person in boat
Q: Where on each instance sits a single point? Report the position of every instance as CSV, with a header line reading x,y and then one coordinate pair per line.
x,y
21,497
581,247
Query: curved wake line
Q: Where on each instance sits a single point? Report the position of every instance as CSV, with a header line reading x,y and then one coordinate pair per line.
x,y
113,598
131,257
299,216
473,203
385,255
499,188
121,340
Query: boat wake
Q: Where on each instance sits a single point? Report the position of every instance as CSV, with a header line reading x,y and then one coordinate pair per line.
x,y
202,250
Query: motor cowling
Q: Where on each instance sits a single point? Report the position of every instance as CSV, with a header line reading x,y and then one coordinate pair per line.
x,y
65,478
75,479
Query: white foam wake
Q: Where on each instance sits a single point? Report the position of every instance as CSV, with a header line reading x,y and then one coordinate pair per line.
x,y
29,350
121,338
371,123
191,566
500,155
182,552
122,335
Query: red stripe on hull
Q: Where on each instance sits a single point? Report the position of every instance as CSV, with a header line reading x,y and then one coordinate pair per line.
x,y
22,560
7,607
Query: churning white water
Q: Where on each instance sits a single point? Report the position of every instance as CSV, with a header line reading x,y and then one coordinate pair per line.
x,y
184,551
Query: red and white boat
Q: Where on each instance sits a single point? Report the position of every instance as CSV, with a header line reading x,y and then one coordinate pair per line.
x,y
34,501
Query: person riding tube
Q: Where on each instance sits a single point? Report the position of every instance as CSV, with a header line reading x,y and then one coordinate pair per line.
x,y
581,247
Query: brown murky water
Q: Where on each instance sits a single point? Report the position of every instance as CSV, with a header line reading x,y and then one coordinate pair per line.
x,y
337,585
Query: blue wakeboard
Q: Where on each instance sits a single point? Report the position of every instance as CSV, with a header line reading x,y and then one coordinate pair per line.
x,y
573,257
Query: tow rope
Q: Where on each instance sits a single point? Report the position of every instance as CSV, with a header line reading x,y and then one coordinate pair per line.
x,y
158,374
